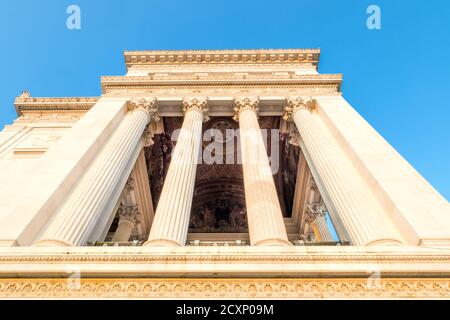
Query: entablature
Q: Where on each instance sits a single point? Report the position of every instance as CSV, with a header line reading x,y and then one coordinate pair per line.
x,y
25,104
169,103
242,261
195,57
224,81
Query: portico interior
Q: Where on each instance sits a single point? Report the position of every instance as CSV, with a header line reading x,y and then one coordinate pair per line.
x,y
218,214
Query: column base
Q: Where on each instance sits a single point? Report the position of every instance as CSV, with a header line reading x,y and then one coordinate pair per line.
x,y
8,243
385,242
162,243
272,242
52,243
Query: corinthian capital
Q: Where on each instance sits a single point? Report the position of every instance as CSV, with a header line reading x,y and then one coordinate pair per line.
x,y
200,104
241,104
147,136
312,184
313,211
294,104
130,185
129,214
147,105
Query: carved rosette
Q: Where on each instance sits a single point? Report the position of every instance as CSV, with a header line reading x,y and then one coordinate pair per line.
x,y
241,104
294,104
129,214
147,105
200,104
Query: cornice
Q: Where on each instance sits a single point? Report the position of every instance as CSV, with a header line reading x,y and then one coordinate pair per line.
x,y
214,80
194,57
25,103
304,255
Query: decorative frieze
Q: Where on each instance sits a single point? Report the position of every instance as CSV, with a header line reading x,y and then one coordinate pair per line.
x,y
75,287
223,77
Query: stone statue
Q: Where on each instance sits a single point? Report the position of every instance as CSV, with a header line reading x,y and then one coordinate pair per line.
x,y
209,219
237,218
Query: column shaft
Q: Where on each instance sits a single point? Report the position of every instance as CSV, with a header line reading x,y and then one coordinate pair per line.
x,y
128,219
352,202
321,226
171,221
74,220
265,220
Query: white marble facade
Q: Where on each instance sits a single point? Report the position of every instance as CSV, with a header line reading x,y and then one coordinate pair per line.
x,y
68,165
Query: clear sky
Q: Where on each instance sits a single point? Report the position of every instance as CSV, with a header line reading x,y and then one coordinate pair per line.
x,y
396,77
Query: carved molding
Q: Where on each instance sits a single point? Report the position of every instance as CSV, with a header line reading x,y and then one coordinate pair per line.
x,y
74,287
222,56
216,77
86,255
55,115
26,103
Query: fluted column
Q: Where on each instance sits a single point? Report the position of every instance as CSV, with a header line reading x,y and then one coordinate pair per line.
x,y
352,202
73,221
128,218
316,212
315,216
265,220
171,222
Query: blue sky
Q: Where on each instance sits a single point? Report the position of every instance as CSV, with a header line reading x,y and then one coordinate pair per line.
x,y
396,77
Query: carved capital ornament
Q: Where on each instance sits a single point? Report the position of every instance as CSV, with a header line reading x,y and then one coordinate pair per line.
x,y
200,104
130,185
147,105
313,211
241,104
147,136
129,214
299,103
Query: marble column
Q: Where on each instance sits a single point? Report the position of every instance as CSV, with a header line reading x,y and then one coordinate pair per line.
x,y
315,217
74,220
171,221
265,220
128,218
316,212
351,201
